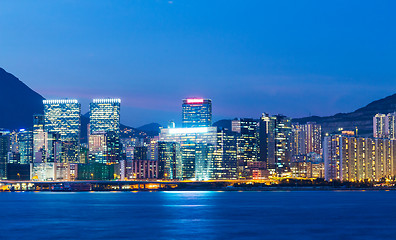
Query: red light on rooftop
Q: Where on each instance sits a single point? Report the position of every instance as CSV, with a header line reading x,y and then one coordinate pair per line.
x,y
195,100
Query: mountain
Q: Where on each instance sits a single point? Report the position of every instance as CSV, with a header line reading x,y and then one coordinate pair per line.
x,y
362,118
223,124
18,103
152,128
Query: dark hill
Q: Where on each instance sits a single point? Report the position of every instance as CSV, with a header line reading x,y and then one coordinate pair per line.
x,y
18,102
362,118
151,128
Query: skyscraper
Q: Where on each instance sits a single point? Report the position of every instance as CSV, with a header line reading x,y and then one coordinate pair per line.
x,y
105,115
196,150
197,112
63,117
104,131
25,146
225,156
247,143
4,149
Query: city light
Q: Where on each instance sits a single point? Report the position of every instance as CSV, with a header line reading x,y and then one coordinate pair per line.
x,y
195,100
188,130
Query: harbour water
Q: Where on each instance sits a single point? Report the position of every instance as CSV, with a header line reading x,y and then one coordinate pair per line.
x,y
199,215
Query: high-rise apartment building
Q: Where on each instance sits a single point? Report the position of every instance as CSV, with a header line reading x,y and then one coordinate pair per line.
x,y
62,117
197,112
384,125
306,138
350,158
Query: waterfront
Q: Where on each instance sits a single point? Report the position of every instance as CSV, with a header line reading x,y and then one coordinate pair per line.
x,y
198,215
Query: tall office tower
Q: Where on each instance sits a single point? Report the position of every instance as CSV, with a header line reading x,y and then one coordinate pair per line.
x,y
4,150
266,138
356,159
39,138
63,117
25,146
197,112
105,120
247,143
225,156
380,125
105,115
282,139
168,160
196,150
152,149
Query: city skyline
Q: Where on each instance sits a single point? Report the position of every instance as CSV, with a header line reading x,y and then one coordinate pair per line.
x,y
324,58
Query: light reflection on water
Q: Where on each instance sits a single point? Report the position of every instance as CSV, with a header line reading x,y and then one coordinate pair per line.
x,y
198,215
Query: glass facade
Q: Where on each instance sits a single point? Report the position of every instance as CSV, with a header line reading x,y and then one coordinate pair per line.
x,y
196,150
63,117
105,115
197,113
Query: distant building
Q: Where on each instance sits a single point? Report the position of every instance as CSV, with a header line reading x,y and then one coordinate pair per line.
x,y
349,158
104,115
196,150
247,143
63,117
384,125
4,150
197,112
25,146
104,131
144,169
104,147
169,159
306,138
225,164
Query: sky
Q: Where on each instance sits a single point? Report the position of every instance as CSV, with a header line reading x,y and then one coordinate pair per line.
x,y
297,58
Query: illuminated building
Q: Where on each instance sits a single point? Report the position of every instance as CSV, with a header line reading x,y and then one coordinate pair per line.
x,y
247,147
104,147
25,146
384,125
282,143
104,115
104,131
152,148
168,160
354,158
225,163
4,149
63,117
197,113
196,150
306,138
145,169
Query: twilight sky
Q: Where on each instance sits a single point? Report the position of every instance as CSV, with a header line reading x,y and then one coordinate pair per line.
x,y
297,58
